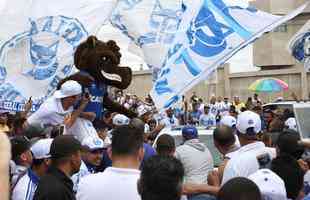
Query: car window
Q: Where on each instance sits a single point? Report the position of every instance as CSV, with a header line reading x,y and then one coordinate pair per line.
x,y
302,115
208,141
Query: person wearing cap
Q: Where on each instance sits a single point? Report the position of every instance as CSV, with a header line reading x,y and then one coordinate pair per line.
x,y
91,159
231,122
27,183
291,123
145,115
207,119
270,184
120,180
253,154
65,154
59,107
21,156
195,157
37,131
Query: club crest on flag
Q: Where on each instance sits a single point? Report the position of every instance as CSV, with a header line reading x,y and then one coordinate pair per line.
x,y
46,49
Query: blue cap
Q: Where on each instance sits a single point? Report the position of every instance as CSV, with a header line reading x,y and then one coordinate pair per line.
x,y
190,132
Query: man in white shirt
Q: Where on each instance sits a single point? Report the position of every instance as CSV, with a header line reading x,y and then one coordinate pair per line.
x,y
27,183
253,154
120,180
170,120
207,119
91,159
54,110
21,157
59,108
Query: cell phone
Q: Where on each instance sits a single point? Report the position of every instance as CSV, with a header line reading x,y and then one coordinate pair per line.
x,y
61,130
87,95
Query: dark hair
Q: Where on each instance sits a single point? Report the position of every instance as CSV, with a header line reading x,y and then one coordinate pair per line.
x,y
239,188
287,168
126,140
288,144
161,178
37,162
224,136
165,144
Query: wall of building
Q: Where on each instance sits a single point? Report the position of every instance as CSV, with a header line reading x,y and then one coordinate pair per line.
x,y
232,84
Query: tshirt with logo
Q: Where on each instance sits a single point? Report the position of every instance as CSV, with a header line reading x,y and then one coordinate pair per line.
x,y
207,120
97,92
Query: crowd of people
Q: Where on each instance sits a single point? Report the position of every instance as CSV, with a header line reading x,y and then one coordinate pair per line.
x,y
65,151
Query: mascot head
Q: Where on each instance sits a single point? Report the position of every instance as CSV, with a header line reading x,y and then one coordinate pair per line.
x,y
101,60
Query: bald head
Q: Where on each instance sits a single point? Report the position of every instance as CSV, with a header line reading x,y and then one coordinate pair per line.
x,y
224,136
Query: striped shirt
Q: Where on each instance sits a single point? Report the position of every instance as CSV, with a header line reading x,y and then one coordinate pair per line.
x,y
26,186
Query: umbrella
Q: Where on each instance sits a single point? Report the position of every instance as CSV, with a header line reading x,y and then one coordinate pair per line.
x,y
268,85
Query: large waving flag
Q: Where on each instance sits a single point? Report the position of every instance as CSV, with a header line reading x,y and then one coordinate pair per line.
x,y
38,42
299,46
151,25
210,32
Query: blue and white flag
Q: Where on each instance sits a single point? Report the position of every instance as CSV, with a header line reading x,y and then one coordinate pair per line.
x,y
299,46
151,25
37,42
211,32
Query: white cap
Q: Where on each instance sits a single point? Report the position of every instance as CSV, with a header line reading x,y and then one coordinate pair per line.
x,y
120,120
142,110
41,148
248,119
228,121
291,123
68,89
270,184
93,143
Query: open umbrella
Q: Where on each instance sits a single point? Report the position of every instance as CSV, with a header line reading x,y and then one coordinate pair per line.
x,y
268,85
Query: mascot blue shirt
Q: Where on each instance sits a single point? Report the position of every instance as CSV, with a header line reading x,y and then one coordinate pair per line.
x,y
96,91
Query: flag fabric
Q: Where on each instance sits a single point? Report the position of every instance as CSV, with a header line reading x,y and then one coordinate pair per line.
x,y
38,42
210,32
151,25
299,46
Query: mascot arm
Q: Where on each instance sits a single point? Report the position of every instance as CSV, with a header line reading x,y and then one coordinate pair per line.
x,y
115,107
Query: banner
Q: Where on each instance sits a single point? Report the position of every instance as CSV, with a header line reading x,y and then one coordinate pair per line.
x,y
151,25
210,32
37,42
299,46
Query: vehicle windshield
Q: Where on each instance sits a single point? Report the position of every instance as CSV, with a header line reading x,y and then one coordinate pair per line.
x,y
302,115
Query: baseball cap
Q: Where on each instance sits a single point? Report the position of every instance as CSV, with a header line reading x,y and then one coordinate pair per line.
x,y
248,119
19,145
271,186
291,123
64,145
190,131
41,148
36,130
68,89
228,121
119,120
93,143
